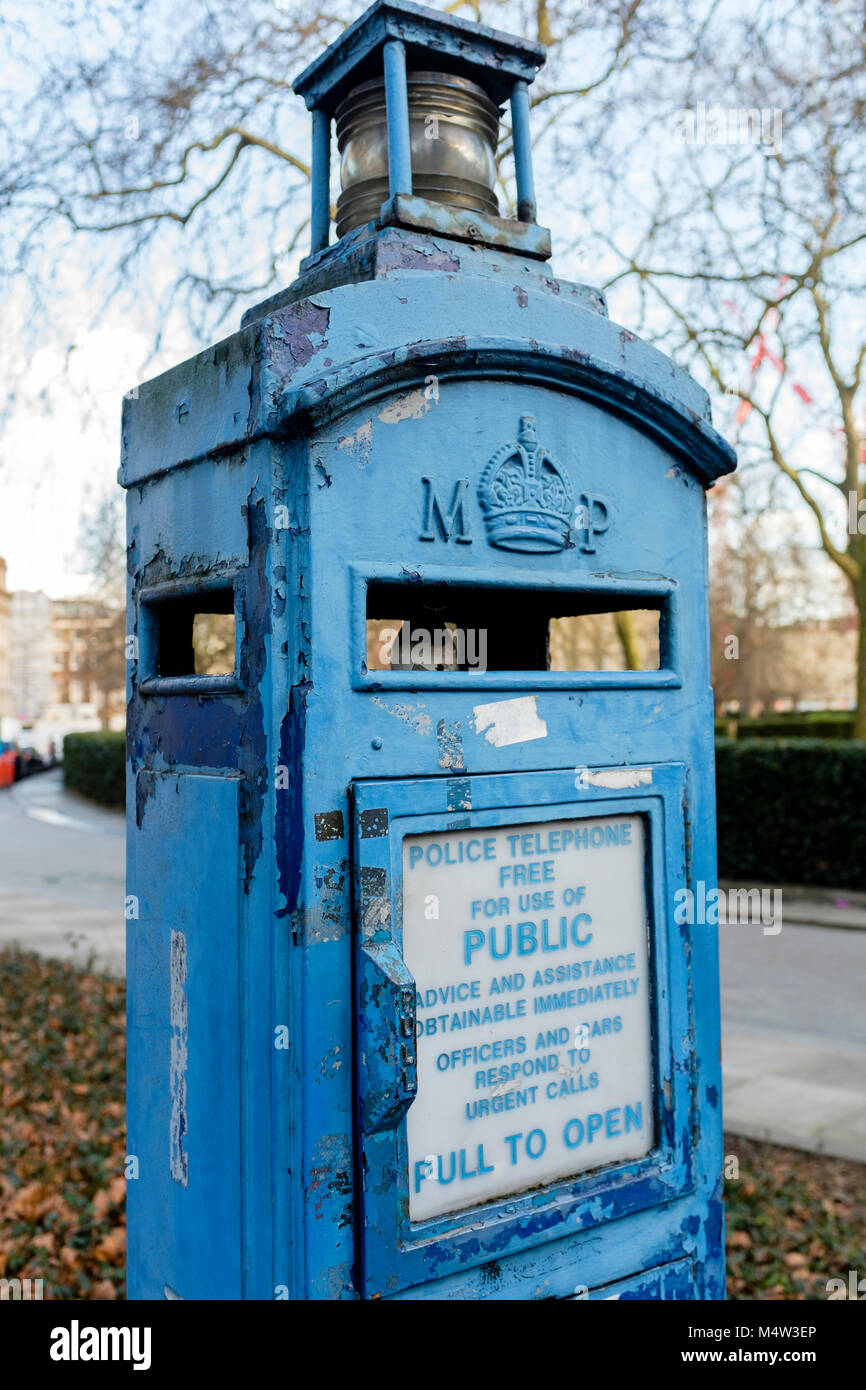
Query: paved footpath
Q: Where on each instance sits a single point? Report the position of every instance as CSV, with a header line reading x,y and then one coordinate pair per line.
x,y
794,1026
61,873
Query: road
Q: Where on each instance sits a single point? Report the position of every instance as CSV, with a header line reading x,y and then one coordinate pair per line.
x,y
794,1029
794,1036
61,873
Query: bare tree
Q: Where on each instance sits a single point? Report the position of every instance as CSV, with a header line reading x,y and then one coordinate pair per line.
x,y
161,149
746,253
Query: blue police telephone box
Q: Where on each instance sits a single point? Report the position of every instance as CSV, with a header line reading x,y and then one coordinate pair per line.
x,y
411,1012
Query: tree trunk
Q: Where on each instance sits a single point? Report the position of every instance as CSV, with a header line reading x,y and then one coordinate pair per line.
x,y
628,638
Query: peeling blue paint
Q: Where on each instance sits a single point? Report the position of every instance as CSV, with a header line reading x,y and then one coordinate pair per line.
x,y
289,817
179,1017
450,740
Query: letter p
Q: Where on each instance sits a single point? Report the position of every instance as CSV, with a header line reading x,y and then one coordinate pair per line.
x,y
472,941
423,1169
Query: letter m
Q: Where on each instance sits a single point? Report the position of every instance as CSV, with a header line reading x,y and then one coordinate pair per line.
x,y
115,1343
748,911
447,522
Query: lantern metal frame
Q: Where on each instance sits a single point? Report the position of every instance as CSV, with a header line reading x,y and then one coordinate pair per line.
x,y
384,42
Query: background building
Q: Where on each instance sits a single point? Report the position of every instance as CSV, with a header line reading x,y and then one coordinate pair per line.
x,y
62,666
5,663
31,654
88,667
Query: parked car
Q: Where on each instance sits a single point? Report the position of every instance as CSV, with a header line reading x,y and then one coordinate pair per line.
x,y
27,762
8,761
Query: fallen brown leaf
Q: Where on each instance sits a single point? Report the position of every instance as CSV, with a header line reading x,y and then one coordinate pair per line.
x,y
117,1190
102,1204
104,1289
112,1247
32,1201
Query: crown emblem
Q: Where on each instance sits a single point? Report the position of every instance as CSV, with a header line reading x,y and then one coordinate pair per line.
x,y
526,500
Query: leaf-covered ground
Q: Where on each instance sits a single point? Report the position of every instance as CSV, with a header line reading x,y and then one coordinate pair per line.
x,y
794,1220
62,1132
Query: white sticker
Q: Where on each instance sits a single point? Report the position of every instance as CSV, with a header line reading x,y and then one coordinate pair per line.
x,y
613,778
509,721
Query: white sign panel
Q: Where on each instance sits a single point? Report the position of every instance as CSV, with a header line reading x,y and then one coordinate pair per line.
x,y
528,944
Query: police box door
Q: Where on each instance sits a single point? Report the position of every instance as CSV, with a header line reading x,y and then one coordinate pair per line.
x,y
522,1026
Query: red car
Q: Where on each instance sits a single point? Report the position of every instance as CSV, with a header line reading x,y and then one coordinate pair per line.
x,y
7,764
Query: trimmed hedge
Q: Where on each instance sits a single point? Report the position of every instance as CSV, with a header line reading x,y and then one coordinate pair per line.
x,y
819,724
792,811
94,765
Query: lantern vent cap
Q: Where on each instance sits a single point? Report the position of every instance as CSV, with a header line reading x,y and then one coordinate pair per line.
x,y
492,59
